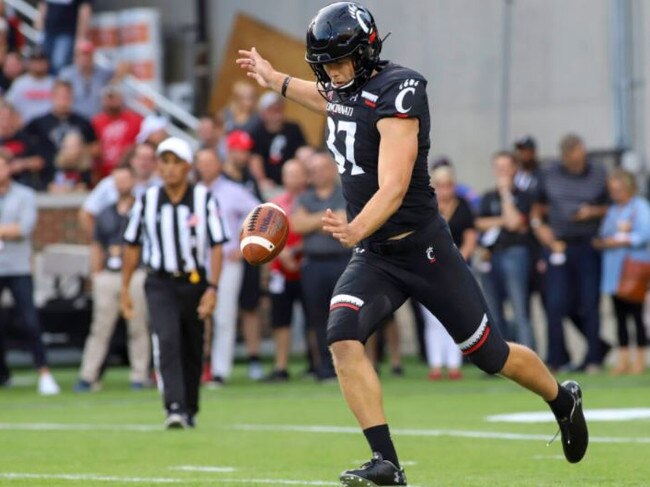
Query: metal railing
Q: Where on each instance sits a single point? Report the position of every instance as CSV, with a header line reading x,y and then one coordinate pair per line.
x,y
163,104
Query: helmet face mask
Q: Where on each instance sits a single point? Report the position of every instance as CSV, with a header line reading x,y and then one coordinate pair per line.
x,y
338,31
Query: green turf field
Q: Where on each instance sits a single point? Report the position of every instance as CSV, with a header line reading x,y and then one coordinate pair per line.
x,y
260,435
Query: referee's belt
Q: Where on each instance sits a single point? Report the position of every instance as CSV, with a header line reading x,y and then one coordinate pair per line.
x,y
193,277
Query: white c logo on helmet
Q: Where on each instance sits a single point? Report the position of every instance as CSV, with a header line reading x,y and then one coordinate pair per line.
x,y
357,14
363,25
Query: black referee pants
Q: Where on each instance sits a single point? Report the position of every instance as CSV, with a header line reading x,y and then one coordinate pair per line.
x,y
177,334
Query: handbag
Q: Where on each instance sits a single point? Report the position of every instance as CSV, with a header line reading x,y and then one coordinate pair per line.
x,y
634,281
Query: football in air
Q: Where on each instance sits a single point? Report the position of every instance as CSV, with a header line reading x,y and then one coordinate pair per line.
x,y
263,233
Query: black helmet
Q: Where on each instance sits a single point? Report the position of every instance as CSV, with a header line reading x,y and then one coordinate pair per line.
x,y
340,30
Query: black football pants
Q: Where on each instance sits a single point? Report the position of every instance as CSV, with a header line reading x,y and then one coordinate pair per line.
x,y
177,335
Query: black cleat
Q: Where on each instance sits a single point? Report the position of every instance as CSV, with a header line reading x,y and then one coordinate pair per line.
x,y
575,437
375,473
277,375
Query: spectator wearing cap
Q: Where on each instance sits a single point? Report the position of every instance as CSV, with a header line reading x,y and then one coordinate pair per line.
x,y
179,228
49,130
276,141
528,171
527,180
573,197
26,163
142,158
12,68
60,23
87,80
31,93
235,203
153,130
236,169
116,128
238,160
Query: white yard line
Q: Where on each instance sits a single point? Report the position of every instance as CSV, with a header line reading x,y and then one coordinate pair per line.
x,y
605,415
78,427
492,435
206,469
403,463
277,482
86,477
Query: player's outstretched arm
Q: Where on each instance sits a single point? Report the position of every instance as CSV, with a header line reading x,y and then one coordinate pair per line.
x,y
299,90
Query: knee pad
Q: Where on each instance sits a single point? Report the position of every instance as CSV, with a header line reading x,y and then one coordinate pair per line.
x,y
486,348
343,324
353,318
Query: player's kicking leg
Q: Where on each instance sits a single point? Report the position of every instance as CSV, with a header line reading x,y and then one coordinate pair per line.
x,y
525,368
453,295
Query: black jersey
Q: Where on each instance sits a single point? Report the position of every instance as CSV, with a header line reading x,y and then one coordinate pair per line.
x,y
353,140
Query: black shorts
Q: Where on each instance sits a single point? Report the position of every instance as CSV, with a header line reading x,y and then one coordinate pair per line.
x,y
250,294
282,304
426,266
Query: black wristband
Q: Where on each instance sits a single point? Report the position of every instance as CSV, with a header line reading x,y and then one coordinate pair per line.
x,y
212,286
285,85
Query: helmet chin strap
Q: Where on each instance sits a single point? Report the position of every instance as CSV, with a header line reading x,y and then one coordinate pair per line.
x,y
346,85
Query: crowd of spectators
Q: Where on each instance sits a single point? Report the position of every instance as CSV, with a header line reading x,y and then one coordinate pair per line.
x,y
562,229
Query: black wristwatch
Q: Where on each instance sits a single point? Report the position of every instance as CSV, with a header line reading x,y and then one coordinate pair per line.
x,y
213,286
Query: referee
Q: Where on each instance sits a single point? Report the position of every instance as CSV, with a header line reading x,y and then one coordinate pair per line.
x,y
176,225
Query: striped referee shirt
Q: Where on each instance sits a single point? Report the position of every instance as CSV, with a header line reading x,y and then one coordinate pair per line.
x,y
176,237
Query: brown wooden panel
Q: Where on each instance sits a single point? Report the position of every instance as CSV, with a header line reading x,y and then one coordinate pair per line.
x,y
284,52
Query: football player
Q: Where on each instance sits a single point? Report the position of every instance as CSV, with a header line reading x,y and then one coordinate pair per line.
x,y
378,133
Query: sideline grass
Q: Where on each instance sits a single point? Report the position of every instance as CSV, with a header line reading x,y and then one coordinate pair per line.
x,y
118,437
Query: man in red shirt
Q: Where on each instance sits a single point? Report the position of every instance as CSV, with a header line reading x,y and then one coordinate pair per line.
x,y
116,128
284,282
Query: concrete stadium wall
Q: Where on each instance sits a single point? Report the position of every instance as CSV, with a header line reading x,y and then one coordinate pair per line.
x,y
560,74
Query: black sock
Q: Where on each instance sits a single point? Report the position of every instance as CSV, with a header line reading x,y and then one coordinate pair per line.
x,y
562,404
380,441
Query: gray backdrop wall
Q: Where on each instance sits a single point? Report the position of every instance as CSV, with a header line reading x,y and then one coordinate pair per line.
x,y
561,65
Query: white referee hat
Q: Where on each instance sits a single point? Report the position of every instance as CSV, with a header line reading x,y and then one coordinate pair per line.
x,y
176,146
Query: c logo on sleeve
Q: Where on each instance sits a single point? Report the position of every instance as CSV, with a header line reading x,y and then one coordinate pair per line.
x,y
406,87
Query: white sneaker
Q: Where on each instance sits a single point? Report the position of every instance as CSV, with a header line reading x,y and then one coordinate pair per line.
x,y
255,371
47,386
175,421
